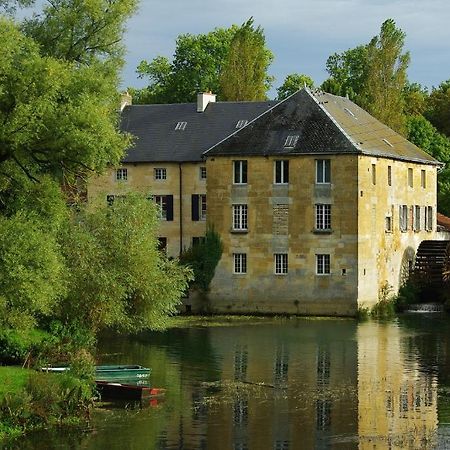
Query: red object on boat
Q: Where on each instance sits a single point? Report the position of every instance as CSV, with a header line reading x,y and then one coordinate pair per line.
x,y
121,391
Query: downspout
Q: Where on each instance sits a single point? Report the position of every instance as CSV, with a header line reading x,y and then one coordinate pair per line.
x,y
180,180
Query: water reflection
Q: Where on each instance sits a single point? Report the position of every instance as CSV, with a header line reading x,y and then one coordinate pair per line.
x,y
293,384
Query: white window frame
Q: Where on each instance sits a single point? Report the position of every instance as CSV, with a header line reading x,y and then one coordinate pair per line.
x,y
323,167
323,216
291,141
284,171
240,217
160,173
403,217
280,263
323,264
202,206
238,171
202,172
240,263
122,174
241,123
417,215
161,201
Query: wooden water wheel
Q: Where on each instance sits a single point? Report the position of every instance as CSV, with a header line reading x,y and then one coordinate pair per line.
x,y
432,265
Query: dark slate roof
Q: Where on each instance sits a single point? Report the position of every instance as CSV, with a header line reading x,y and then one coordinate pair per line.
x,y
156,139
324,123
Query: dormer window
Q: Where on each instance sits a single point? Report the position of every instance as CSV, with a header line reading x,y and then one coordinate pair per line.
x,y
291,141
241,123
180,126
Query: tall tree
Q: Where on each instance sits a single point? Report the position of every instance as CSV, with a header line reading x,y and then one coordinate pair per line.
x,y
292,83
244,75
196,67
438,108
386,78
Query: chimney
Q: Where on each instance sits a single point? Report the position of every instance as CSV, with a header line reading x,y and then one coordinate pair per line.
x,y
203,99
125,100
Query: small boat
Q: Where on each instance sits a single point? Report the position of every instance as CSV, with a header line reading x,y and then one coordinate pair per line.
x,y
131,392
111,372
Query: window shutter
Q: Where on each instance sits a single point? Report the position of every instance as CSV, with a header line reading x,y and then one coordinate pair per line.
x,y
195,207
169,203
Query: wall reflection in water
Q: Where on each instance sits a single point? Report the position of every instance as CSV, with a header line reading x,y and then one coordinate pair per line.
x,y
292,384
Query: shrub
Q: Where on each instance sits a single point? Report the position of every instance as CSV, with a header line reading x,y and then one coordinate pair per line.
x,y
408,294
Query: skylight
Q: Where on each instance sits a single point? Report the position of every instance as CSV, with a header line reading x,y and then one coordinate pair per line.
x,y
180,126
387,142
291,140
241,123
350,112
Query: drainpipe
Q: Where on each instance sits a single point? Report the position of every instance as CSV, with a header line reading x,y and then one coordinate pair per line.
x,y
180,180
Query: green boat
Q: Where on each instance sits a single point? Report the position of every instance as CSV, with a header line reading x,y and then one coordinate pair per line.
x,y
130,373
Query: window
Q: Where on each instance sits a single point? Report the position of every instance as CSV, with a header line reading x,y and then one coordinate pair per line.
x,y
198,207
410,178
282,172
240,172
423,179
323,264
165,204
323,170
403,217
389,176
122,174
160,173
281,263
162,244
202,173
374,174
323,217
241,123
240,217
428,218
388,224
240,262
416,218
197,240
180,126
291,141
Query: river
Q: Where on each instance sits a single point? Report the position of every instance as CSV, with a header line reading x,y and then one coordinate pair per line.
x,y
280,384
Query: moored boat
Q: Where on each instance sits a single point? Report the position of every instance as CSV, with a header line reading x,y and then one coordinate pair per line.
x,y
130,392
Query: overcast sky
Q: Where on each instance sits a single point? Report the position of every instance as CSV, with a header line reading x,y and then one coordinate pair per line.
x,y
300,33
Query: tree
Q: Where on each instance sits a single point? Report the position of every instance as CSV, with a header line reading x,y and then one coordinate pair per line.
x,y
244,75
415,99
292,83
347,72
196,67
422,133
386,78
117,278
438,108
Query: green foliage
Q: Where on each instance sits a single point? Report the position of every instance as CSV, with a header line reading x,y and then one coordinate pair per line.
x,y
196,67
201,63
117,277
415,97
385,308
244,75
347,72
385,79
363,313
203,259
438,108
423,134
408,294
17,345
293,83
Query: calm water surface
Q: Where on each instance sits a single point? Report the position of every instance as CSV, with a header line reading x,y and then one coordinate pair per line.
x,y
284,384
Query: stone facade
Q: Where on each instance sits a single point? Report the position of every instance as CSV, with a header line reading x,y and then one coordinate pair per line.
x,y
182,181
364,255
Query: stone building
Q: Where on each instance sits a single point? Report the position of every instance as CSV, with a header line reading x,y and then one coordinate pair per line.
x,y
320,207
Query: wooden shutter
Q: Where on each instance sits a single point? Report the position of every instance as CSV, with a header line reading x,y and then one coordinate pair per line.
x,y
169,203
195,207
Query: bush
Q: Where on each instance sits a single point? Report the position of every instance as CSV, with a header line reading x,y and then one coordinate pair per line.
x,y
203,259
15,345
408,294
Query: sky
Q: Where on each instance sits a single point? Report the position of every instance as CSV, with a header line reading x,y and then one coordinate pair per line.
x,y
300,33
